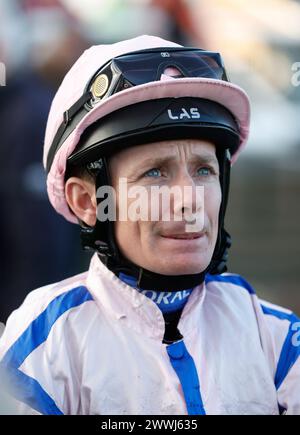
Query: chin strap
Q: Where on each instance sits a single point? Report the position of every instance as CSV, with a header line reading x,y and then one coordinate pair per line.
x,y
148,280
223,244
218,264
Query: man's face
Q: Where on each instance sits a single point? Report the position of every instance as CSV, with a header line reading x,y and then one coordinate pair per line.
x,y
170,246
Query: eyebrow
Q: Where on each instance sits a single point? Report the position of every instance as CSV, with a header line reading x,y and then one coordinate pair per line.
x,y
160,161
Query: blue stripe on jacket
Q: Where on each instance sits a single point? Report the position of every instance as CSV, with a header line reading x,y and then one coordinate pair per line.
x,y
290,351
185,368
230,279
25,388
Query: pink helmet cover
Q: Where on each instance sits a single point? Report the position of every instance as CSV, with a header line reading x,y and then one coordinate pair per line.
x,y
73,86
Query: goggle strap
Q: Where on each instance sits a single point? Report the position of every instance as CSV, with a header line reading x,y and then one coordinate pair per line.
x,y
68,116
71,112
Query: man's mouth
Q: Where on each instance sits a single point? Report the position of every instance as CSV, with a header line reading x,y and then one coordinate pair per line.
x,y
184,236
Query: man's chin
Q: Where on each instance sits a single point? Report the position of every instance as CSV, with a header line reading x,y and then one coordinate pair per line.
x,y
181,268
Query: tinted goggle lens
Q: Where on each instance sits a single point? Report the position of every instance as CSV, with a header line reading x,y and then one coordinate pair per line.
x,y
144,67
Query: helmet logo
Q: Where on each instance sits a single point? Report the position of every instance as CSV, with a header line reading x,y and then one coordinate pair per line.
x,y
165,54
100,86
192,113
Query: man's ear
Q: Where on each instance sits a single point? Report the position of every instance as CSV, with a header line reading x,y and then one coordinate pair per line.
x,y
81,198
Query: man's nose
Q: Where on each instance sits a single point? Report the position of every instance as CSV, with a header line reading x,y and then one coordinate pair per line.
x,y
189,197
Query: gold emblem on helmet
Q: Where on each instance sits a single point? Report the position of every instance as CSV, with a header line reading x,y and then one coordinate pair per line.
x,y
100,86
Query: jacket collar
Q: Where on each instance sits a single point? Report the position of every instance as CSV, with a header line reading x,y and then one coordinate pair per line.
x,y
125,304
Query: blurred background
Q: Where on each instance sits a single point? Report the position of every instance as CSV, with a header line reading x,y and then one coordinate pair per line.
x,y
260,42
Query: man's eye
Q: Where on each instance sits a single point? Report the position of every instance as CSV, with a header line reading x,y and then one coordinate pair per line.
x,y
204,171
154,172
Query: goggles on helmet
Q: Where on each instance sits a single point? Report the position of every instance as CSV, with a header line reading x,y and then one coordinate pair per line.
x,y
146,66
